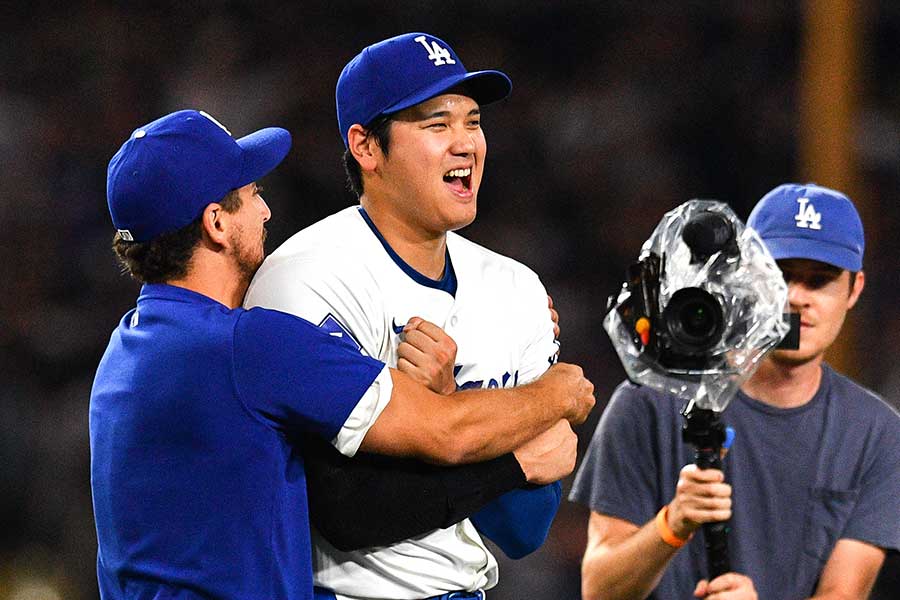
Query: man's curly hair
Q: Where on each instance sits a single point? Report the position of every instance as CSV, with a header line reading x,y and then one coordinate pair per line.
x,y
168,256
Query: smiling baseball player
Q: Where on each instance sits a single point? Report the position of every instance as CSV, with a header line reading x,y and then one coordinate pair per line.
x,y
409,114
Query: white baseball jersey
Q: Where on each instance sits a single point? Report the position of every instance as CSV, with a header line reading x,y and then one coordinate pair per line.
x,y
340,274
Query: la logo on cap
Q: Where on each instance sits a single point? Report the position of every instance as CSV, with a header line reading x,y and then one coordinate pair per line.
x,y
438,55
807,217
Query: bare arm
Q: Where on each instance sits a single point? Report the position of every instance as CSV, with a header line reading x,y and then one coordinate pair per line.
x,y
406,497
550,456
428,354
624,561
850,572
476,425
518,521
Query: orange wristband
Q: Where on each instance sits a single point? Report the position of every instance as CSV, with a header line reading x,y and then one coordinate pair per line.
x,y
665,532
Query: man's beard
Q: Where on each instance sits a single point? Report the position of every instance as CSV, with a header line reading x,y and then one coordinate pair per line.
x,y
790,358
248,260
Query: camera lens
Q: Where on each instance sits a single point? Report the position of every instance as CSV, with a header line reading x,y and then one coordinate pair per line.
x,y
694,321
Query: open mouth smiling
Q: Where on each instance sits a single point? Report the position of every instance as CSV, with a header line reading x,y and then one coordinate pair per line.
x,y
460,180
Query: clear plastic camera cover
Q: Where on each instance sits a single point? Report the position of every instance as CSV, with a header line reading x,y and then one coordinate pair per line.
x,y
749,288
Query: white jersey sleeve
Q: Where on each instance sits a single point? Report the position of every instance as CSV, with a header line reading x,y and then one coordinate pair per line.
x,y
307,285
363,416
541,348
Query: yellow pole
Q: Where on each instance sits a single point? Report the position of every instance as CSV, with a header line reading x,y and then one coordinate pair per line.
x,y
828,91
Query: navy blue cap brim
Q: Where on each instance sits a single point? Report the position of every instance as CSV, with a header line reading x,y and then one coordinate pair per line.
x,y
262,151
484,87
832,254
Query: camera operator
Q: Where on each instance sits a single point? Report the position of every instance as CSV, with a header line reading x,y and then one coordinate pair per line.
x,y
812,481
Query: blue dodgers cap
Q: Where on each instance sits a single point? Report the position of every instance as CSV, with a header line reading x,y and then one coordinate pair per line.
x,y
810,221
403,71
169,170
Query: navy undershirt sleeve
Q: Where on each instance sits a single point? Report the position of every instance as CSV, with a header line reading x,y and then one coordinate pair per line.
x,y
373,500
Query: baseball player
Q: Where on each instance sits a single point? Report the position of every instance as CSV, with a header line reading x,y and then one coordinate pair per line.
x,y
198,490
409,115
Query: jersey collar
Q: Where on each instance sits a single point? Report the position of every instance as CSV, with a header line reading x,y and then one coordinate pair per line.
x,y
164,291
447,282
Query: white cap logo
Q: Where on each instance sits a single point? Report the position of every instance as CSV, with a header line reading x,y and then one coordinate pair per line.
x,y
807,217
440,56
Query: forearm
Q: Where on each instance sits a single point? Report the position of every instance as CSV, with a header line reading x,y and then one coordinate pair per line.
x,y
487,423
630,569
850,571
468,426
373,500
862,592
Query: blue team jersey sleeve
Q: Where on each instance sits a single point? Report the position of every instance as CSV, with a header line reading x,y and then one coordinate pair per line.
x,y
519,520
294,376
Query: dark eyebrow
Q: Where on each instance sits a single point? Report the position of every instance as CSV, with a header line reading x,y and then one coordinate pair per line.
x,y
438,114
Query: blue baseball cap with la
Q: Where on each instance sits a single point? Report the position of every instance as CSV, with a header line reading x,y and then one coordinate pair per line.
x,y
810,221
403,71
169,170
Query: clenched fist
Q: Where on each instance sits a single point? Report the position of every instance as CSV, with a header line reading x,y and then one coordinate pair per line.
x,y
427,354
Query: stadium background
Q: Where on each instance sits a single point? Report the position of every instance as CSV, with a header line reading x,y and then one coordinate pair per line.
x,y
620,110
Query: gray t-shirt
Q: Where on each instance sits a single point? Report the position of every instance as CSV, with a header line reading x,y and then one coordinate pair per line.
x,y
802,479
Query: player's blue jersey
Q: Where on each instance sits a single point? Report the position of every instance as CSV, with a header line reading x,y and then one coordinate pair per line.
x,y
341,274
197,492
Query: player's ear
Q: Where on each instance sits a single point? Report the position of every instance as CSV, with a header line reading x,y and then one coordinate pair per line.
x,y
858,284
214,221
363,147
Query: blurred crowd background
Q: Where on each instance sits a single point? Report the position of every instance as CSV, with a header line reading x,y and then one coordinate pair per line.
x,y
620,111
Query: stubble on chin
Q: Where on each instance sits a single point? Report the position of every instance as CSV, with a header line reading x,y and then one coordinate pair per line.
x,y
791,358
249,261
